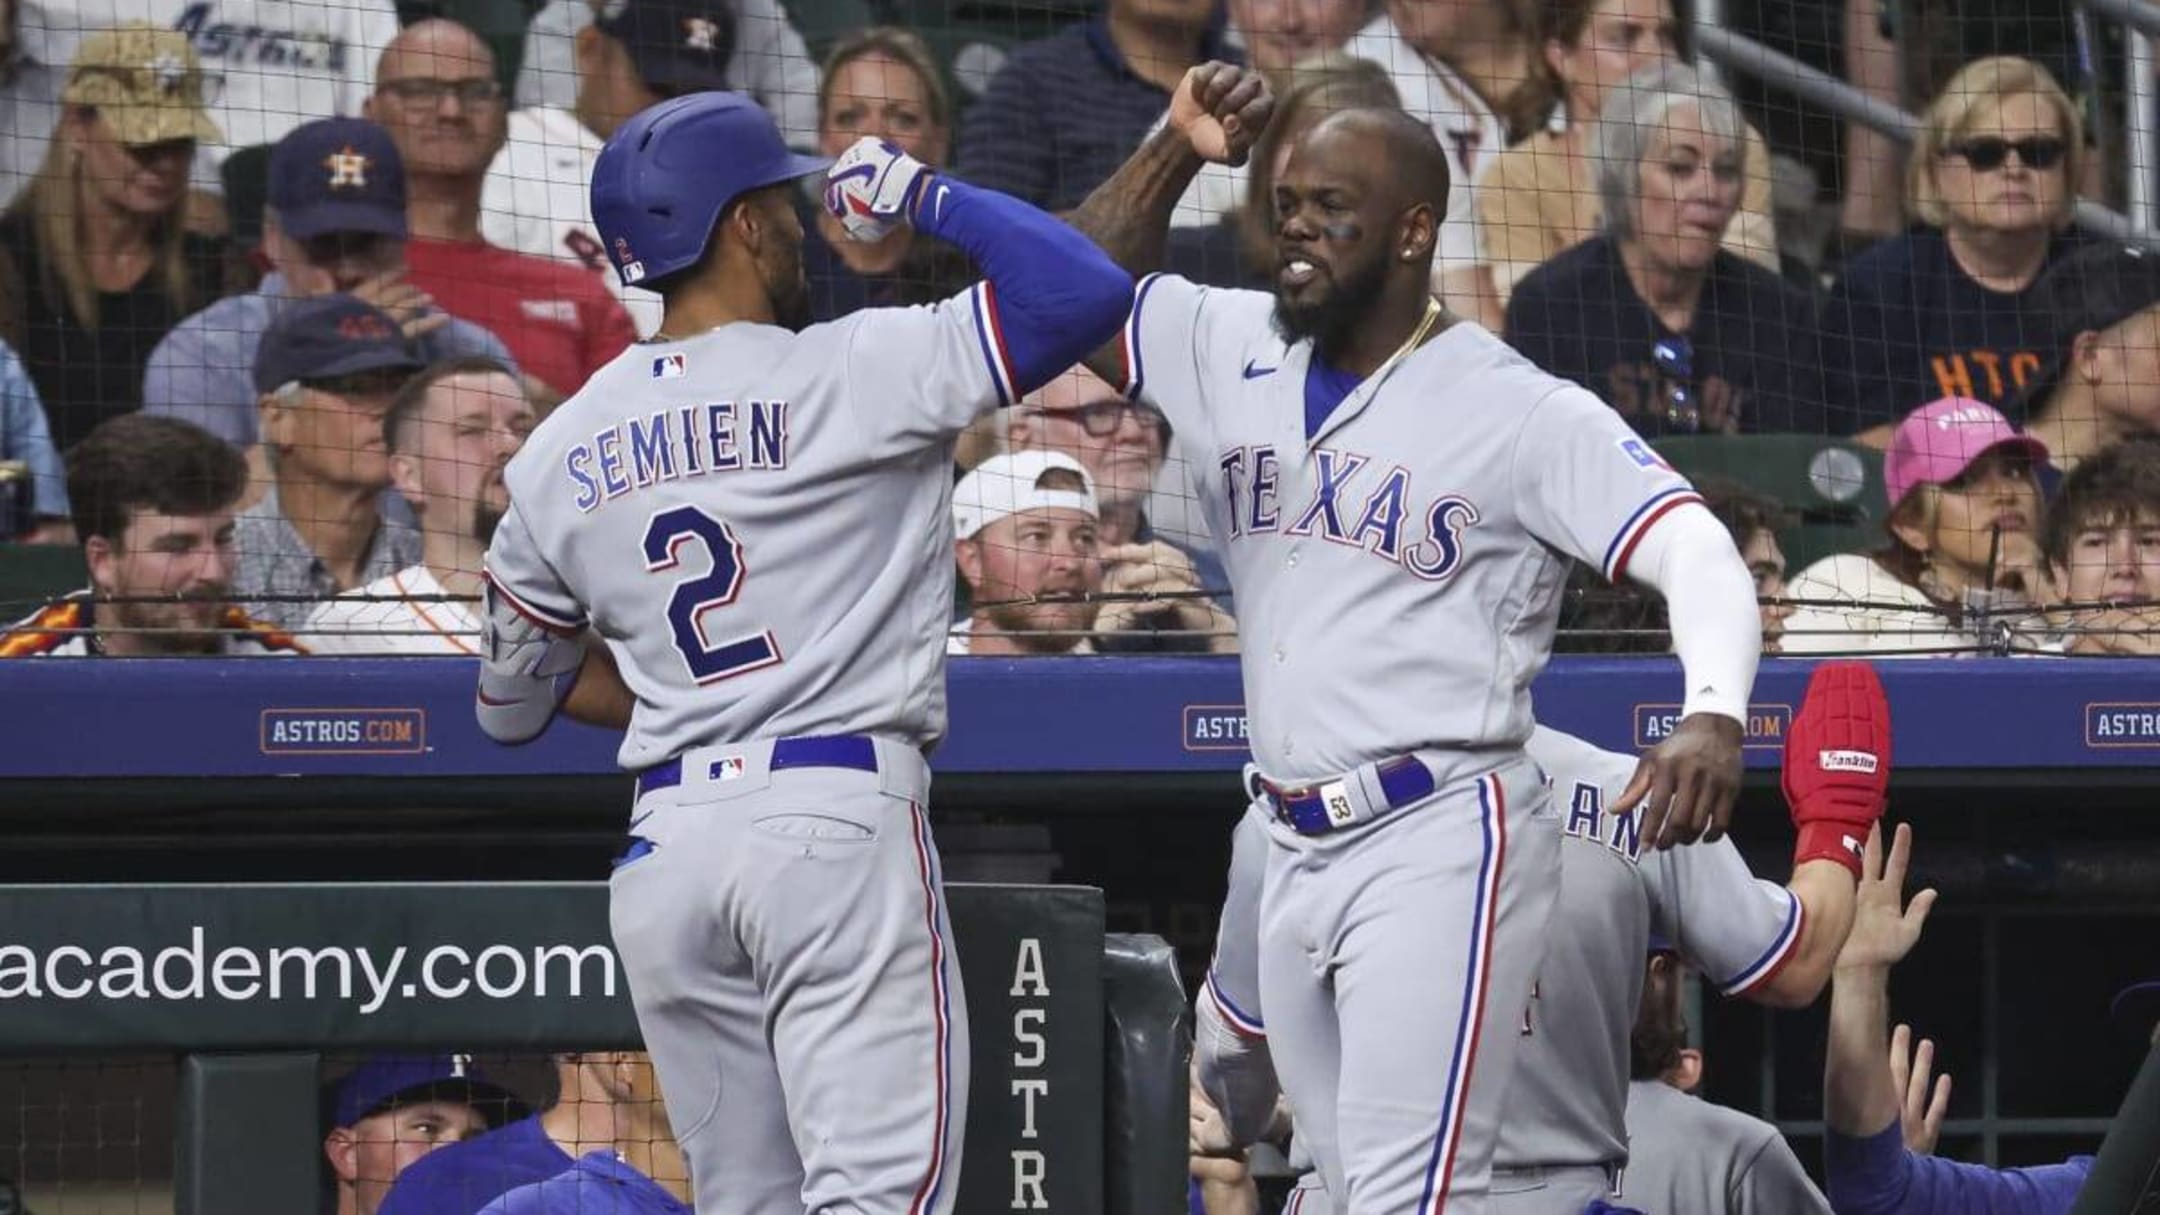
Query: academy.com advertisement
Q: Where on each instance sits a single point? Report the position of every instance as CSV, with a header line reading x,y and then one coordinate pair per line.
x,y
366,977
201,966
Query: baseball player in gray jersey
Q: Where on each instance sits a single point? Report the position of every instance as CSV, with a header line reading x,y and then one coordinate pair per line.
x,y
1565,1139
1396,495
755,517
1687,1155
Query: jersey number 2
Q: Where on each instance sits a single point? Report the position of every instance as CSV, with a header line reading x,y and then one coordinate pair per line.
x,y
665,537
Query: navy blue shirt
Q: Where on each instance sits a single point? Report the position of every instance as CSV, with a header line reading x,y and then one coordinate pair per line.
x,y
598,1184
462,1178
1906,325
932,271
1756,364
1061,116
1877,1175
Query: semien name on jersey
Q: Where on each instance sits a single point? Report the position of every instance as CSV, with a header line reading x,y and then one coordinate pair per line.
x,y
687,441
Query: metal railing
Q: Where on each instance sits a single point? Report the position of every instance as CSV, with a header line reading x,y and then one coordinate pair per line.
x,y
1744,56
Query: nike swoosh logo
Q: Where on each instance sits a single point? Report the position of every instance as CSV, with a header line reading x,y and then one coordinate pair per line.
x,y
942,191
493,703
1254,373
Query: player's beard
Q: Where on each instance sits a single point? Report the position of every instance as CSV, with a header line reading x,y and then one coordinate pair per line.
x,y
1338,312
485,519
790,293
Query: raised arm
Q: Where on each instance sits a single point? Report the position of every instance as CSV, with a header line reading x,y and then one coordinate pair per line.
x,y
1219,109
1836,778
1051,296
1860,1096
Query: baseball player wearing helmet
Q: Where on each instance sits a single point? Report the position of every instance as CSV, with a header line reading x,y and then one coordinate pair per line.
x,y
1396,495
1563,1141
755,516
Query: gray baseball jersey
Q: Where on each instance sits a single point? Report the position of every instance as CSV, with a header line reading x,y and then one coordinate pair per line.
x,y
1439,500
1398,575
759,522
1735,929
1695,1158
1567,1104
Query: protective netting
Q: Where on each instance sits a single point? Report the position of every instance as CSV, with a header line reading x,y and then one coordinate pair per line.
x,y
1776,236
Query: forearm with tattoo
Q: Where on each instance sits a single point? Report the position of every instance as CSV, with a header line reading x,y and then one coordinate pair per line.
x,y
1129,215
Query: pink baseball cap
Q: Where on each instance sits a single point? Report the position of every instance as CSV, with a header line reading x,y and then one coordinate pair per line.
x,y
1939,441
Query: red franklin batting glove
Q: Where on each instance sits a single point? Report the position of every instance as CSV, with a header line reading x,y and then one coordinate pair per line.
x,y
1837,763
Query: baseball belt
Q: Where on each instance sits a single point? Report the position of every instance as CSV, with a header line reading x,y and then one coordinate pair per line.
x,y
1360,796
855,751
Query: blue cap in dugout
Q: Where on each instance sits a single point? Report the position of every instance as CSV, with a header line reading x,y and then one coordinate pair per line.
x,y
385,1082
337,175
330,336
666,175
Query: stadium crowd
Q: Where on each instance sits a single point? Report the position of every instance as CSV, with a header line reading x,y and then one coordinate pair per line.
x,y
178,203
277,306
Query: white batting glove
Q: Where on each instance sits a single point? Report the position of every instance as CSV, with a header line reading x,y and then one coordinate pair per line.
x,y
871,188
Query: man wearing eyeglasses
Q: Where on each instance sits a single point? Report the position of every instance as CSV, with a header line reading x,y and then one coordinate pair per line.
x,y
635,54
437,94
1123,445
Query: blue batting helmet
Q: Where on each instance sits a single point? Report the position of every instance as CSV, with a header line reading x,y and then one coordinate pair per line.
x,y
664,177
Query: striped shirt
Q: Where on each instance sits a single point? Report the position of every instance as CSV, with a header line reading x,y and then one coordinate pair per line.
x,y
1062,115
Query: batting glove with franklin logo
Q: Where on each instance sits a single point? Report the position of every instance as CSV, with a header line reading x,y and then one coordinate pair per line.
x,y
873,187
1837,763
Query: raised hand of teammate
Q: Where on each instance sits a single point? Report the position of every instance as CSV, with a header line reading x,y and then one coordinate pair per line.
x,y
1221,108
872,188
1690,782
1921,1105
1885,926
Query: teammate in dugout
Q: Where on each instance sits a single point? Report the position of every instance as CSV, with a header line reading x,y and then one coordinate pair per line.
x,y
755,517
1395,494
1563,1143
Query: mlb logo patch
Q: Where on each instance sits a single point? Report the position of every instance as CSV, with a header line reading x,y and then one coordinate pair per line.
x,y
669,367
1644,457
729,768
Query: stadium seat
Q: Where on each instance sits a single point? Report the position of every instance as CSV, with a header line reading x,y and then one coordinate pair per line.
x,y
1832,487
31,574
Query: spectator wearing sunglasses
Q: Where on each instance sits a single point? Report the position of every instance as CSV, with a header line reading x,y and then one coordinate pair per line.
x,y
1679,334
95,264
1953,308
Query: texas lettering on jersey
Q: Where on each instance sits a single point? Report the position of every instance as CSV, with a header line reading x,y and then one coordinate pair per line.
x,y
255,44
1375,522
